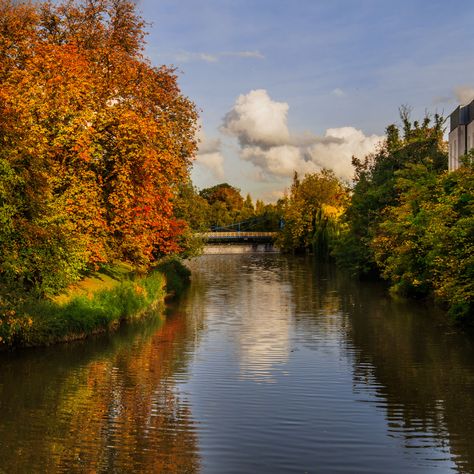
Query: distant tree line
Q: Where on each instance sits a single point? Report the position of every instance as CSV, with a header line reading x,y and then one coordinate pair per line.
x,y
223,207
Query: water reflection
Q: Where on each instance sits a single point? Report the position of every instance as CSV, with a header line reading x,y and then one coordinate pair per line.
x,y
266,325
265,312
406,361
361,372
109,405
256,304
423,373
359,383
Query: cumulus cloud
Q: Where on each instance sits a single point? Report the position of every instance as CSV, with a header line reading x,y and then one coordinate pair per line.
x,y
273,196
279,161
260,125
341,145
188,56
257,120
209,155
464,94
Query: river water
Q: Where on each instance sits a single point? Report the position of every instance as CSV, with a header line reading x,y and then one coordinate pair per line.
x,y
268,364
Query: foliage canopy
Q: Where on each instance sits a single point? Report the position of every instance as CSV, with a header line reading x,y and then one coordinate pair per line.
x,y
411,221
94,142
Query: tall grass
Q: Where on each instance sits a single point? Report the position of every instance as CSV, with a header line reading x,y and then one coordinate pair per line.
x,y
44,322
83,315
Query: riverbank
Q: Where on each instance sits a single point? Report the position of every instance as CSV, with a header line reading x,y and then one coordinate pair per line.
x,y
98,303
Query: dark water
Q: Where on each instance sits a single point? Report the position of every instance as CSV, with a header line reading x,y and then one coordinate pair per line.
x,y
269,364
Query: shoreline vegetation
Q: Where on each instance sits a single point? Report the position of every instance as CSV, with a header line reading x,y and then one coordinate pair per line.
x,y
101,302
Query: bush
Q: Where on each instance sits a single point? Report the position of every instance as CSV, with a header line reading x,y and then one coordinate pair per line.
x,y
177,276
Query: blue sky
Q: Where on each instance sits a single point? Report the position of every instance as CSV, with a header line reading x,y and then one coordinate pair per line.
x,y
340,68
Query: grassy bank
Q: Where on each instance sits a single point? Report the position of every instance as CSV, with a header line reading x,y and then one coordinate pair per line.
x,y
98,303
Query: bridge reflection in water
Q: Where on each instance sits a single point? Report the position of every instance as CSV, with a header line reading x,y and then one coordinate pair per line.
x,y
239,242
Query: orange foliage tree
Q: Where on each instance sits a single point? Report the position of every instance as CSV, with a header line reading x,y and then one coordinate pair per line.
x,y
94,141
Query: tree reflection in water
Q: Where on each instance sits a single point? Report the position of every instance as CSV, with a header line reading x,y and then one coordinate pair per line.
x,y
406,359
101,410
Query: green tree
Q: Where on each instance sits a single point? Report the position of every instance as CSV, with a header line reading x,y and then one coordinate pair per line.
x,y
425,243
225,203
194,210
376,186
191,207
248,210
311,212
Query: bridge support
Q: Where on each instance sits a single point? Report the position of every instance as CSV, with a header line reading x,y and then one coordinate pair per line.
x,y
238,248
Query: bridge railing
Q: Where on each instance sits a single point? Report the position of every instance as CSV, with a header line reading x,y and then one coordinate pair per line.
x,y
238,235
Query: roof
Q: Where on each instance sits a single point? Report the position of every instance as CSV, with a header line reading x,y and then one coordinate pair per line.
x,y
462,115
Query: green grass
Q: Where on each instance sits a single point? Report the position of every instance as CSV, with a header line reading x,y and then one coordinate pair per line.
x,y
107,277
101,302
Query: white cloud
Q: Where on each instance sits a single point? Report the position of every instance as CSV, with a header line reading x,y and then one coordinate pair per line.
x,y
278,161
244,54
256,119
214,162
209,155
464,94
337,154
273,196
260,125
188,56
185,56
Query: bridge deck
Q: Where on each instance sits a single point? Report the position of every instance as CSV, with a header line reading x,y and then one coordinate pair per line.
x,y
235,236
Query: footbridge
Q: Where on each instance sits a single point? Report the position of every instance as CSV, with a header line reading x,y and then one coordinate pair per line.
x,y
249,235
239,236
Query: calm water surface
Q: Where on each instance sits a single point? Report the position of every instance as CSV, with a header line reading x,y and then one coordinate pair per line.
x,y
269,364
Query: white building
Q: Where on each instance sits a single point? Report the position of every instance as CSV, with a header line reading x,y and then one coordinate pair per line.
x,y
461,134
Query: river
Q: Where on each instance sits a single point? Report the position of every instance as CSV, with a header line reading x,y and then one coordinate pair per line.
x,y
268,364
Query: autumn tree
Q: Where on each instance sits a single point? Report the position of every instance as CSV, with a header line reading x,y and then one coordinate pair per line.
x,y
311,212
95,141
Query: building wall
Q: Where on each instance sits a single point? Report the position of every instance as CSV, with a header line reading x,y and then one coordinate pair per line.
x,y
452,147
470,135
457,146
461,136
